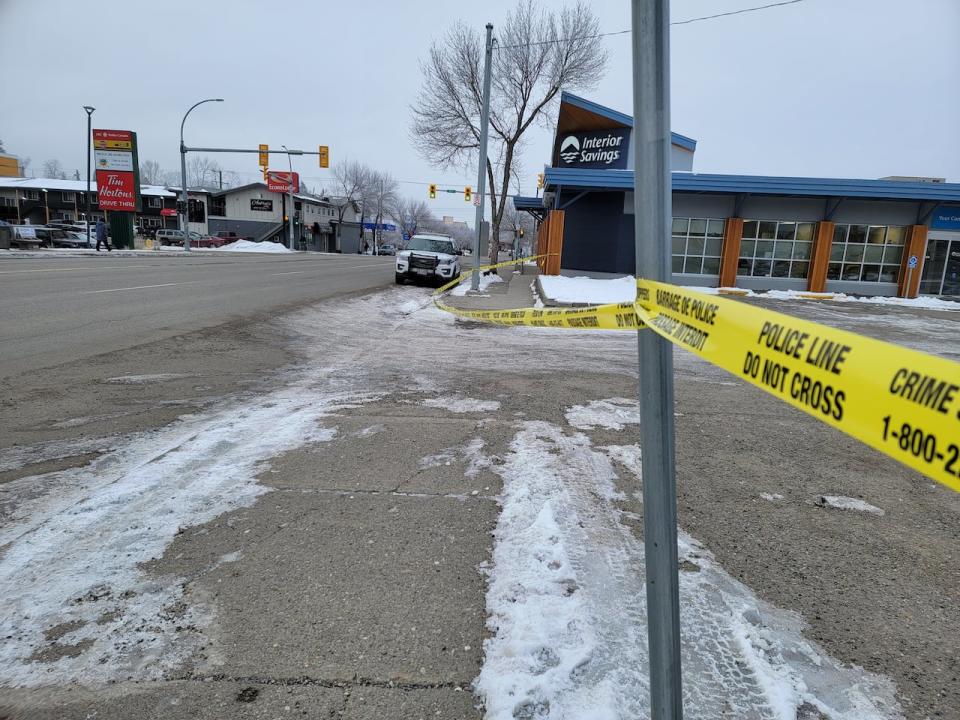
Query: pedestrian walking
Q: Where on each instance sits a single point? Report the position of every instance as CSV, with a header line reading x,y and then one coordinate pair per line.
x,y
102,235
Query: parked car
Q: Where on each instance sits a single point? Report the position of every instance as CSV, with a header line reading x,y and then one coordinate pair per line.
x,y
230,236
387,250
428,257
175,237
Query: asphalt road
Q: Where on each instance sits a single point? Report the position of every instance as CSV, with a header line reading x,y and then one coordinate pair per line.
x,y
58,310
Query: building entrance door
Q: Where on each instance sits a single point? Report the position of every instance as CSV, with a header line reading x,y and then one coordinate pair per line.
x,y
941,267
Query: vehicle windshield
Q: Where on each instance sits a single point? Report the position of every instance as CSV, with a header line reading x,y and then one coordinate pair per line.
x,y
431,245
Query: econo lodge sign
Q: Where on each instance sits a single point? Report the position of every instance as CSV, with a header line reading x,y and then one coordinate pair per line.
x,y
115,157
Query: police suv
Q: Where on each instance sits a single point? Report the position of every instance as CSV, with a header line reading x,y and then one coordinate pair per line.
x,y
429,258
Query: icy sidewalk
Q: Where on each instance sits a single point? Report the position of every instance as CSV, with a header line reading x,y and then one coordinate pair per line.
x,y
567,605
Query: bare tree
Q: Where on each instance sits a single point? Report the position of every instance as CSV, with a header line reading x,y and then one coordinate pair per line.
x,y
53,169
2,149
76,174
202,171
538,54
379,195
25,166
349,180
151,173
412,216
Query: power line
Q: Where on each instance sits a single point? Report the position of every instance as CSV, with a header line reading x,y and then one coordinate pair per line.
x,y
677,22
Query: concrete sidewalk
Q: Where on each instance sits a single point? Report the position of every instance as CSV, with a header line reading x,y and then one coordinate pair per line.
x,y
516,291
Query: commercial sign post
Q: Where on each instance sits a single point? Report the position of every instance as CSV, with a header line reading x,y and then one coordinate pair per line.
x,y
280,181
118,179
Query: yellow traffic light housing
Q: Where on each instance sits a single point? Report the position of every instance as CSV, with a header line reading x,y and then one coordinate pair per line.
x,y
433,191
468,193
324,156
540,181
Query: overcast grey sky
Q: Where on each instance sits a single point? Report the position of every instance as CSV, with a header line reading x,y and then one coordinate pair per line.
x,y
841,88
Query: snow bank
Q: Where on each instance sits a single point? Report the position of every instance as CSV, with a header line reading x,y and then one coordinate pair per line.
x,y
593,291
255,247
485,282
597,291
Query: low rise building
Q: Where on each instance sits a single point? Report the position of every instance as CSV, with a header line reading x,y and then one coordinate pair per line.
x,y
870,237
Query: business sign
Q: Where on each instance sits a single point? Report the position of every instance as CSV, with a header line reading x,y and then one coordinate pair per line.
x,y
118,182
605,149
113,140
260,205
168,212
945,218
279,181
116,191
113,160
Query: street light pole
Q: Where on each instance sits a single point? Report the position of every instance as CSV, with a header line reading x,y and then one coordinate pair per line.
x,y
290,210
86,204
482,172
183,175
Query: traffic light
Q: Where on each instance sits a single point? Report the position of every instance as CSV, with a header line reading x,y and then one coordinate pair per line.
x,y
265,173
468,193
433,191
324,156
521,232
540,181
264,156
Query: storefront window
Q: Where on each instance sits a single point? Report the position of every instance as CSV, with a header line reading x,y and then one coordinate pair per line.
x,y
866,253
696,245
775,249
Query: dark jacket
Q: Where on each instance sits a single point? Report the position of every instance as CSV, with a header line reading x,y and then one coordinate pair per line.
x,y
101,231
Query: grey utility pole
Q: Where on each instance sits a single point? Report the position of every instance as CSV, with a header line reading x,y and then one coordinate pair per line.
x,y
482,172
290,210
183,176
652,216
86,202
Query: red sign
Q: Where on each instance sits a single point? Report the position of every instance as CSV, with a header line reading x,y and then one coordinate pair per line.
x,y
113,139
168,212
279,181
116,191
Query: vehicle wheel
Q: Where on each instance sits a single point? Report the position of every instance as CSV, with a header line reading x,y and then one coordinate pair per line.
x,y
400,279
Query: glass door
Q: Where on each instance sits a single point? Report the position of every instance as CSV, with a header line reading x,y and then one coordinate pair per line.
x,y
941,268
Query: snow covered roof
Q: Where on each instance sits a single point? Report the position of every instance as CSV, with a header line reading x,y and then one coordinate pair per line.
x,y
72,186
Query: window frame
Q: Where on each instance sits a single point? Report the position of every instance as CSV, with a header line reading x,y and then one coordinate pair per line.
x,y
782,260
849,262
705,244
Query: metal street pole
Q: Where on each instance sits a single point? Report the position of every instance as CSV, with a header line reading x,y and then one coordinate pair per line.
x,y
652,216
183,176
482,172
86,204
291,210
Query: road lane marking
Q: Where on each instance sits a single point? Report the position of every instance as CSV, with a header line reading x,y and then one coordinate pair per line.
x,y
291,272
119,267
138,287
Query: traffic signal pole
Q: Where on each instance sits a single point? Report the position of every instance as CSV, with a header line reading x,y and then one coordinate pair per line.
x,y
652,216
482,172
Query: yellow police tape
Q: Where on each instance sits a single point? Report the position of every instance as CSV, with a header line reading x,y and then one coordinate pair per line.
x,y
902,402
615,316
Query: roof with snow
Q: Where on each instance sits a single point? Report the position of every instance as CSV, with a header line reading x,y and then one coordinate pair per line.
x,y
72,186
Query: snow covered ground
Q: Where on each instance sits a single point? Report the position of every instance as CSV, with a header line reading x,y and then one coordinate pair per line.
x,y
485,282
566,603
568,611
598,291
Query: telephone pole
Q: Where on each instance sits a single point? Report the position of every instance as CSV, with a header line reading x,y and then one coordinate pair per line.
x,y
482,172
